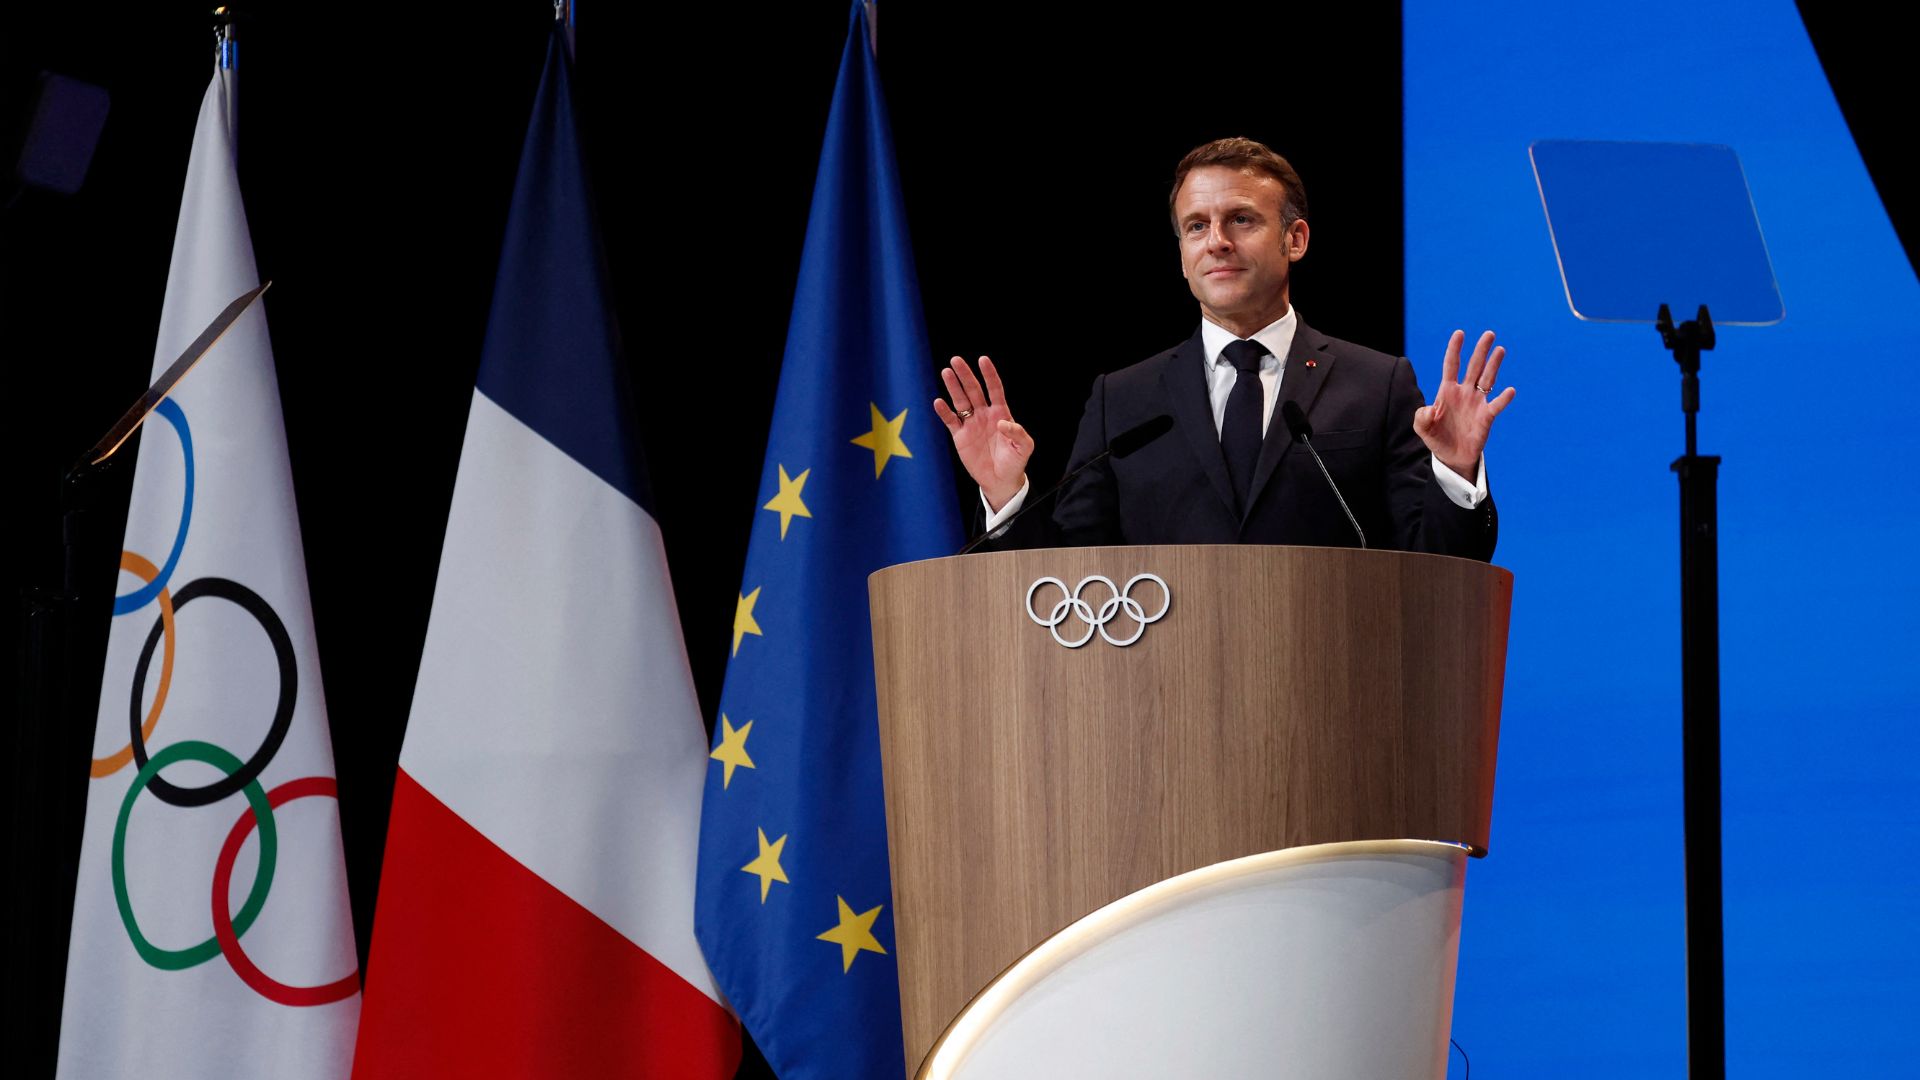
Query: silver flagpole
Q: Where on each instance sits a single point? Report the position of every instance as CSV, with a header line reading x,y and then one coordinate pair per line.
x,y
226,57
226,43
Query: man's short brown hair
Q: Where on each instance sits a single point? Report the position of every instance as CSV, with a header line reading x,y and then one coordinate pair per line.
x,y
1240,153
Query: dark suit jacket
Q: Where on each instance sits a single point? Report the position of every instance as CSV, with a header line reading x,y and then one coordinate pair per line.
x,y
1175,490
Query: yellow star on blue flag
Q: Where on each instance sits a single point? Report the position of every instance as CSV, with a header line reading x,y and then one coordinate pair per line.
x,y
732,751
884,438
853,933
788,504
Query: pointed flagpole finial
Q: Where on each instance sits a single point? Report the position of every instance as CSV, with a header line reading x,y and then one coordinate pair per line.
x,y
225,41
873,25
563,14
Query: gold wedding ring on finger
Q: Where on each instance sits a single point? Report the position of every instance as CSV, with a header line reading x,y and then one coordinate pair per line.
x,y
964,413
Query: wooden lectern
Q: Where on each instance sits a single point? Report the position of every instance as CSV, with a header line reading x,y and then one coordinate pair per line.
x,y
1074,736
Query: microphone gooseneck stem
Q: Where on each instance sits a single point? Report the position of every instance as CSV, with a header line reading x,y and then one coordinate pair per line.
x,y
1335,488
1125,444
1295,418
1031,503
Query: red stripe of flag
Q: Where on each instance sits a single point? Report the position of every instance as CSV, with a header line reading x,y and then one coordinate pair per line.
x,y
482,968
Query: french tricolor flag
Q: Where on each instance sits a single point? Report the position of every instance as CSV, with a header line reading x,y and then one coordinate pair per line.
x,y
535,915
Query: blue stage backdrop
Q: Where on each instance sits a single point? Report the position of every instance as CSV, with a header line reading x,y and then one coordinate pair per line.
x,y
1573,947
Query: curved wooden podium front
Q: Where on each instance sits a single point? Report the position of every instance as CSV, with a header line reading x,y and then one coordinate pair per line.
x,y
1286,697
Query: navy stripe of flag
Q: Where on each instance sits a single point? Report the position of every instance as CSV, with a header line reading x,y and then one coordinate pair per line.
x,y
552,353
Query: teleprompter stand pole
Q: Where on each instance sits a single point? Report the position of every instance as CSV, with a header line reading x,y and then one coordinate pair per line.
x,y
1700,698
61,628
53,731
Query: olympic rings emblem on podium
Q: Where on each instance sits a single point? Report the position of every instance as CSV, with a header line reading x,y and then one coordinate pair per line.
x,y
1120,602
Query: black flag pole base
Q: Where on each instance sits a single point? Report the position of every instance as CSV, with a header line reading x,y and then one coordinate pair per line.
x,y
1700,699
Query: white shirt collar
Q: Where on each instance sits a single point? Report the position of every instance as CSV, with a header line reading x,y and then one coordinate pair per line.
x,y
1277,336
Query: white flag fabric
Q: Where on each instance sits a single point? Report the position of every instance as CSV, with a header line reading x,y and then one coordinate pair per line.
x,y
211,931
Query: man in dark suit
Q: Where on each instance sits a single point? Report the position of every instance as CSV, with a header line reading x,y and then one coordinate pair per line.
x,y
1413,474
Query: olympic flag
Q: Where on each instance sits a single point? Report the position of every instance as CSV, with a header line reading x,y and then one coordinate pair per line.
x,y
795,902
536,908
211,934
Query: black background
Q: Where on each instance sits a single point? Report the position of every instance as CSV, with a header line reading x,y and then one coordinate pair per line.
x,y
377,155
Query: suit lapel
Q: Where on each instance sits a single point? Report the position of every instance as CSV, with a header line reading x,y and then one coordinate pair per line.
x,y
1305,372
1184,385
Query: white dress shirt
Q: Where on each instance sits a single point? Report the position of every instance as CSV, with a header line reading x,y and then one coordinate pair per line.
x,y
1277,336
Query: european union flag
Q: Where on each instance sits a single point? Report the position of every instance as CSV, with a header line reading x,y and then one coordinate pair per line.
x,y
793,905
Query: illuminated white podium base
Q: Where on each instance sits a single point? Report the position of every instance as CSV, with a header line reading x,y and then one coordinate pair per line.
x,y
1335,960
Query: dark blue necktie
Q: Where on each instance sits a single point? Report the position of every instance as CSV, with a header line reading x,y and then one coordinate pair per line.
x,y
1240,433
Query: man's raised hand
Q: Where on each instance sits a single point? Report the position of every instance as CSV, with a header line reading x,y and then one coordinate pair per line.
x,y
992,447
1456,425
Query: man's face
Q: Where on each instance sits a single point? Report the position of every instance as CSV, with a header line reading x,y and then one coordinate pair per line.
x,y
1234,249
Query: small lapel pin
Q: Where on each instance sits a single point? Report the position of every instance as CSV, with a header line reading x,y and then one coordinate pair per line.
x,y
1312,362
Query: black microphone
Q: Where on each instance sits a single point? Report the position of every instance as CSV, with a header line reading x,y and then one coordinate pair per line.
x,y
1122,445
1302,431
1138,436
